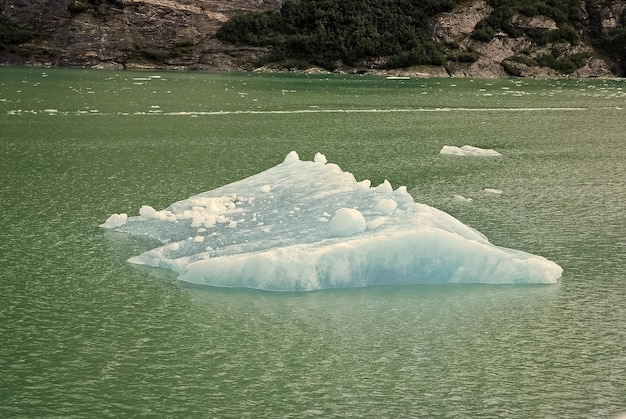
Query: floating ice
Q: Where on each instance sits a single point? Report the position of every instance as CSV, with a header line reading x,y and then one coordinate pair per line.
x,y
468,150
308,225
115,220
461,198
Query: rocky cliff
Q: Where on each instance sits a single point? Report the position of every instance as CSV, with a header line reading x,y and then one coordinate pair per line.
x,y
502,55
130,33
181,34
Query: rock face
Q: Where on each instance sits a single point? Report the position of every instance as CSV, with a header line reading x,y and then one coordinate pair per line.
x,y
497,58
180,34
449,27
133,33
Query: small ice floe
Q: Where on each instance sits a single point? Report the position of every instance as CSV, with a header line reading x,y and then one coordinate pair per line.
x,y
468,150
462,199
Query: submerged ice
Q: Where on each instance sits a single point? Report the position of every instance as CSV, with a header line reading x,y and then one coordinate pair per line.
x,y
308,225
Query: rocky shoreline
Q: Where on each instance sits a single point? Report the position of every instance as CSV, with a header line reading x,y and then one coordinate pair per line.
x,y
164,34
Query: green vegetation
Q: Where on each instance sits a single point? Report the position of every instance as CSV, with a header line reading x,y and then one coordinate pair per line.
x,y
13,34
465,56
612,43
257,29
327,32
568,16
524,59
564,33
565,64
564,12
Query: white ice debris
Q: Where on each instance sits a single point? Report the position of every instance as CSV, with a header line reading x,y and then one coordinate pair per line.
x,y
493,191
346,222
115,220
462,199
468,150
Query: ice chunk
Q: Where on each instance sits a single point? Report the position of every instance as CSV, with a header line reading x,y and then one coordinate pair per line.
x,y
386,206
320,158
461,198
115,220
346,222
385,187
148,212
468,150
239,235
493,191
291,157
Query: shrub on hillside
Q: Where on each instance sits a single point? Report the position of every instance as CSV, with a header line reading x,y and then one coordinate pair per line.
x,y
13,34
324,32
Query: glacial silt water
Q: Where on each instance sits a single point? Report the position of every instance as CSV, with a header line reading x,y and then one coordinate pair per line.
x,y
83,333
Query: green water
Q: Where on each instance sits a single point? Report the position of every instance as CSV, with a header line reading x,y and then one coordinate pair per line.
x,y
84,334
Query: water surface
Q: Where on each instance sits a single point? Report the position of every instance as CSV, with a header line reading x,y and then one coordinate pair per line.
x,y
83,333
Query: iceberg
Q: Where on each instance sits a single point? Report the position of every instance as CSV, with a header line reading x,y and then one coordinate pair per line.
x,y
468,150
309,225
